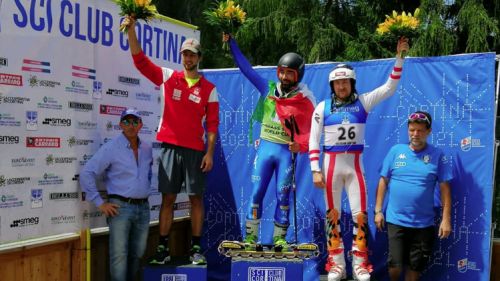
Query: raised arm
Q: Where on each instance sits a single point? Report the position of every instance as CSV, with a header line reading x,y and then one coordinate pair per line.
x,y
141,61
374,97
246,68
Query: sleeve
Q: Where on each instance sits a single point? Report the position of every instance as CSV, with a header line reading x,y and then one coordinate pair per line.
x,y
156,74
212,121
91,171
386,169
374,97
445,173
315,136
247,70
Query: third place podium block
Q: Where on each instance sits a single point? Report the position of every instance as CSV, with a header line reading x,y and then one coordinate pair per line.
x,y
177,270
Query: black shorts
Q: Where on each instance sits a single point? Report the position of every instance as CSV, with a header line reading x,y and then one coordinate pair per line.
x,y
180,170
411,247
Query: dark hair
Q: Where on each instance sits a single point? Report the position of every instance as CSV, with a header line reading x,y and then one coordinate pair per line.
x,y
416,117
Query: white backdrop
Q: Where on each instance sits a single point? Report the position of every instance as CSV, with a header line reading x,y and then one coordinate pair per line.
x,y
65,75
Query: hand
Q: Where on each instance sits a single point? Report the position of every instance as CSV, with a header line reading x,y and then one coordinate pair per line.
x,y
256,143
225,37
318,179
129,21
294,147
379,221
109,209
444,229
207,163
403,47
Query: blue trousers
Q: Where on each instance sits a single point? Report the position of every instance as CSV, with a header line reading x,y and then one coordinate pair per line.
x,y
128,235
271,159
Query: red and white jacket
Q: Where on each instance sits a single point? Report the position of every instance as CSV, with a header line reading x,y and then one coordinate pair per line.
x,y
185,109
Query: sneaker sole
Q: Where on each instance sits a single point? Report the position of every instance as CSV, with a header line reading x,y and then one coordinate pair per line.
x,y
167,259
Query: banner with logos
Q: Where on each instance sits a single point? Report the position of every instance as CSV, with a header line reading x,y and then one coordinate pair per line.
x,y
459,93
66,74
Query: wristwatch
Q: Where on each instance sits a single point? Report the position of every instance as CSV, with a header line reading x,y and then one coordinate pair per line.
x,y
377,212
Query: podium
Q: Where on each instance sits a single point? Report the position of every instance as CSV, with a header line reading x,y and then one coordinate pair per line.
x,y
261,269
176,270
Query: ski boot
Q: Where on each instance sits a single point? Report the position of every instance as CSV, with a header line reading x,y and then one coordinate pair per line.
x,y
361,267
335,265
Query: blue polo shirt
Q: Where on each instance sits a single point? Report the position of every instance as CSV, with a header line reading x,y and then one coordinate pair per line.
x,y
413,177
115,163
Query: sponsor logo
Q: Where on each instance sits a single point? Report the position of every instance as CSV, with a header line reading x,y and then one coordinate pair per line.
x,y
11,181
43,142
117,93
63,219
73,141
50,179
50,160
18,100
110,127
9,139
25,222
35,82
75,177
31,120
182,205
86,125
11,79
143,96
129,80
80,106
145,130
465,264
468,143
145,113
97,90
6,119
4,61
10,201
58,122
399,164
22,162
36,198
156,145
49,103
83,72
155,207
266,273
174,277
36,66
111,109
76,88
85,159
64,195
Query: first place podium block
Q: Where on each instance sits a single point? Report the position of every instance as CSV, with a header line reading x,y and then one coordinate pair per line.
x,y
177,270
260,269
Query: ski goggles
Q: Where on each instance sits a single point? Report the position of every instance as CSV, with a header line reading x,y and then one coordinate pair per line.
x,y
417,116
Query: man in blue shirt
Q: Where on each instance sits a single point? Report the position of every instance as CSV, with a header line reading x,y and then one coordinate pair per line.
x,y
124,165
409,175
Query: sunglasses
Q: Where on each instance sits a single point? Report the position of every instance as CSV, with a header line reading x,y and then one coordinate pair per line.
x,y
134,122
419,117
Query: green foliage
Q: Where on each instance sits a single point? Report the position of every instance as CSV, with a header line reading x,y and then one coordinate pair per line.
x,y
342,30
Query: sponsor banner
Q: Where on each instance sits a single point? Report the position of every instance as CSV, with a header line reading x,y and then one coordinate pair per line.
x,y
83,72
35,66
111,109
11,79
80,106
43,142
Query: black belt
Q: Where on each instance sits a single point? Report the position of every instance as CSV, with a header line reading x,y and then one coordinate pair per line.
x,y
135,201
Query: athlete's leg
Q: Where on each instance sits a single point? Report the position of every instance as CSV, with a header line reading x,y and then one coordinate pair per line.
x,y
284,175
356,192
333,195
263,168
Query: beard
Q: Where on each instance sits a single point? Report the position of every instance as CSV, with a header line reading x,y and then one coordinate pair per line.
x,y
287,85
190,67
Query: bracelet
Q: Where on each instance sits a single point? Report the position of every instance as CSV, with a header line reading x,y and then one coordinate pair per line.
x,y
377,212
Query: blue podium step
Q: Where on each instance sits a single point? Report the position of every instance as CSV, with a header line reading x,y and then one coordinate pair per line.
x,y
260,269
179,269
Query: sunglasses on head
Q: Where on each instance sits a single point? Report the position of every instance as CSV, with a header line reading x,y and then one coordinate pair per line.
x,y
134,122
417,116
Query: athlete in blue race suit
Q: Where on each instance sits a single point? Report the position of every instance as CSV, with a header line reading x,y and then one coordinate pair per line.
x,y
277,103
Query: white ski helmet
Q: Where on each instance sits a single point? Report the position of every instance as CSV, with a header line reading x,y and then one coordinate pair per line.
x,y
342,71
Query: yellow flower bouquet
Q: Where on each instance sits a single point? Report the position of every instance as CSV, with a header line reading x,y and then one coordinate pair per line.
x,y
226,16
138,9
397,26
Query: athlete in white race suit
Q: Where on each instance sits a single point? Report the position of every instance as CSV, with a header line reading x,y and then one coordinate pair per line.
x,y
342,120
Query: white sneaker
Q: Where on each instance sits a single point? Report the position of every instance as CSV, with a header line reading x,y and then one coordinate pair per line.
x,y
335,265
361,267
